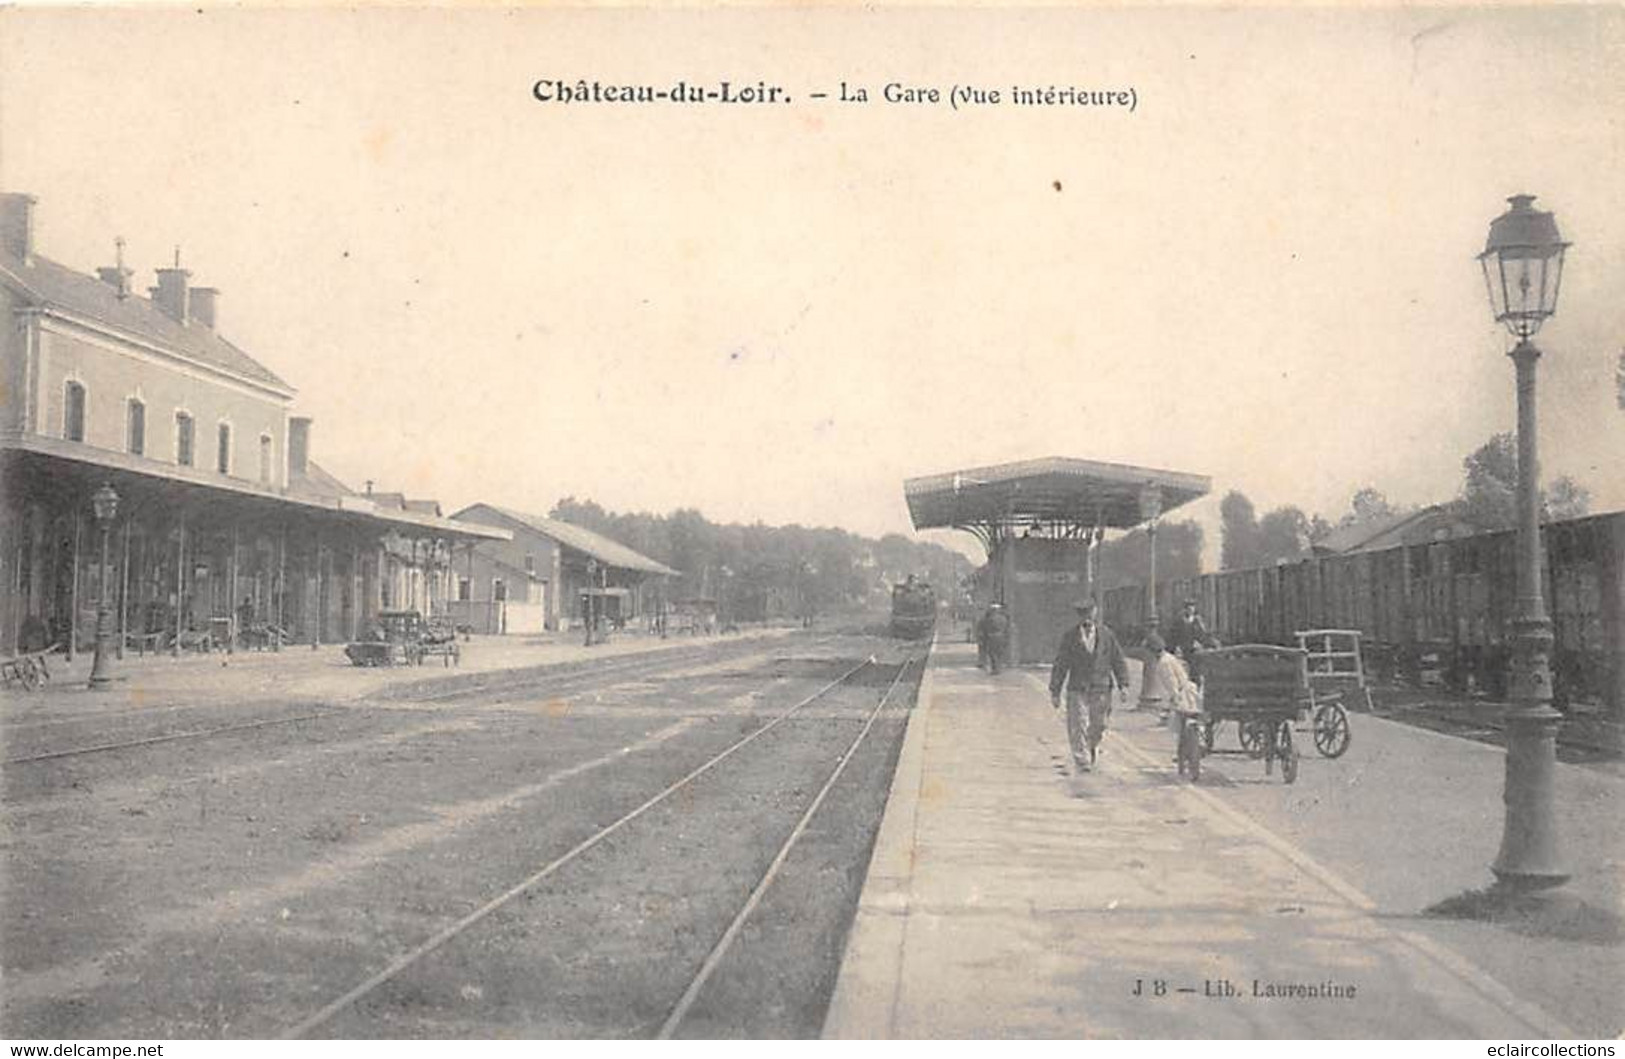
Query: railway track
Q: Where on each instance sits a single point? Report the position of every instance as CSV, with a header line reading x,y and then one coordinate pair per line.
x,y
593,669
571,679
685,998
1573,746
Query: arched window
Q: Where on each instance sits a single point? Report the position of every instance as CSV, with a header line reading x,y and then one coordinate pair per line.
x,y
222,461
184,440
135,427
73,412
265,459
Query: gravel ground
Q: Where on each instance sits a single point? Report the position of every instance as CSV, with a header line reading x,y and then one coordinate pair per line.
x,y
231,885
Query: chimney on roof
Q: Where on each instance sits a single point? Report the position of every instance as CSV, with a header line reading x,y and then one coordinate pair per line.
x,y
203,302
17,225
299,445
116,275
171,294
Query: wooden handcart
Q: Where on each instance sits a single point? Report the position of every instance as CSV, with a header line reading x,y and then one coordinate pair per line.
x,y
1336,675
439,639
396,640
28,671
1264,689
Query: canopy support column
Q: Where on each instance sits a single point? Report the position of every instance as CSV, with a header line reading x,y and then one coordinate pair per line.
x,y
124,591
180,584
73,589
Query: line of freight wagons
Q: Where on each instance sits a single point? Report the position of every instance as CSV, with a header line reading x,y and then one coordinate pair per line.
x,y
1436,611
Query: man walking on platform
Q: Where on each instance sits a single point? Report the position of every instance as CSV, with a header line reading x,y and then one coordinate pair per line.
x,y
993,638
1087,664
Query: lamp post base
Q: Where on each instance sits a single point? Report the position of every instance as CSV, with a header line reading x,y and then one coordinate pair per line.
x,y
1529,857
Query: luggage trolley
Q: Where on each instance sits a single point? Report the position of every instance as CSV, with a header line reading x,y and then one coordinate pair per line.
x,y
1264,689
1335,672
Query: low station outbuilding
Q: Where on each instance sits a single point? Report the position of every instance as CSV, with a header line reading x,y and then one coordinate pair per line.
x,y
543,576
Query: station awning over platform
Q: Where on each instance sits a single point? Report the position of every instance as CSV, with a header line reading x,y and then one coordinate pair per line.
x,y
1053,492
55,465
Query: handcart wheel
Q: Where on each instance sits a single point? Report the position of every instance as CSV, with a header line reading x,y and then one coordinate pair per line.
x,y
1253,737
1331,730
1289,754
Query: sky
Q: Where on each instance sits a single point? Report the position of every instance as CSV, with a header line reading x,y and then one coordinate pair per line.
x,y
1263,273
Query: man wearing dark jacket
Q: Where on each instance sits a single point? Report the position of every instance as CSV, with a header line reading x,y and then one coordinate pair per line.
x,y
1087,664
993,638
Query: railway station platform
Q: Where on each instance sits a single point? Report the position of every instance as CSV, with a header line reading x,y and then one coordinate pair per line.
x,y
1008,897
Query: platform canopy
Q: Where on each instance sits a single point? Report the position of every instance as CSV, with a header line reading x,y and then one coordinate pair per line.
x,y
1058,496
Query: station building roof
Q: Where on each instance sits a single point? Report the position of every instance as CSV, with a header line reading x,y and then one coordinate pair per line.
x,y
1056,490
63,290
578,538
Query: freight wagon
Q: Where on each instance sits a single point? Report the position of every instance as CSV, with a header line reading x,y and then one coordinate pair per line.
x,y
1440,611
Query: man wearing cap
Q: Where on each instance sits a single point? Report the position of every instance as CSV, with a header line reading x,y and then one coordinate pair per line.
x,y
1088,663
1187,634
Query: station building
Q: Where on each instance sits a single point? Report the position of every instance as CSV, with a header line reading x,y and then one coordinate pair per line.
x,y
222,516
540,577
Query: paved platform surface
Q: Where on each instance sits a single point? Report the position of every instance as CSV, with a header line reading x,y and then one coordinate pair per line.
x,y
1008,897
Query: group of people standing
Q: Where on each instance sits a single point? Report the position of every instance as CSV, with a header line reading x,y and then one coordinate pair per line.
x,y
1091,668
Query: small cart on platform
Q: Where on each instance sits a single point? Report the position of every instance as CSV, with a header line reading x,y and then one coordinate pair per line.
x,y
28,670
397,640
1336,675
1264,689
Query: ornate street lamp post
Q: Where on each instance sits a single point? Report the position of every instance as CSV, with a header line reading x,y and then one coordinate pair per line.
x,y
1152,693
1523,267
105,503
1150,509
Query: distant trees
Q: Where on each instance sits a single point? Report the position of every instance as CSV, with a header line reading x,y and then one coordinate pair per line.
x,y
1249,541
1283,534
1126,560
1367,505
761,570
1489,493
1238,532
1565,498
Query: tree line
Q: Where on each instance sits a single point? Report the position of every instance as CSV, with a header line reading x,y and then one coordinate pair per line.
x,y
756,571
1487,502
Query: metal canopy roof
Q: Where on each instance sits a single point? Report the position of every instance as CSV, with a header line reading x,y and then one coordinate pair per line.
x,y
1057,492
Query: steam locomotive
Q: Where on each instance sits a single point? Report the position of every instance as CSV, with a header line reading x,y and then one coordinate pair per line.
x,y
913,610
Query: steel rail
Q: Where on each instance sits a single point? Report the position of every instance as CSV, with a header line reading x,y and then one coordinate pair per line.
x,y
11,729
715,957
446,934
653,661
1489,731
196,733
572,677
